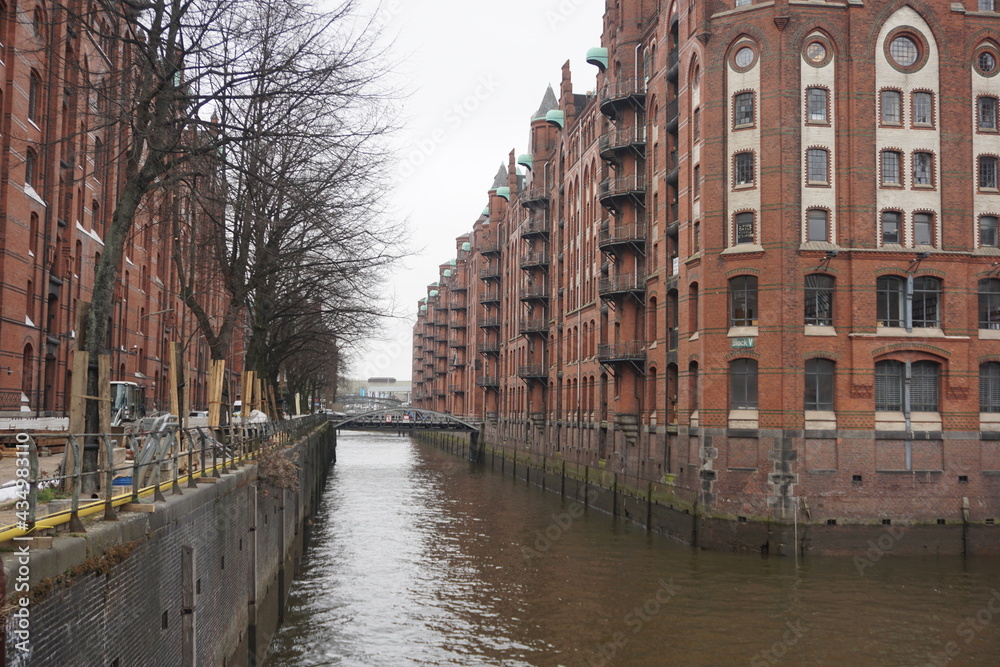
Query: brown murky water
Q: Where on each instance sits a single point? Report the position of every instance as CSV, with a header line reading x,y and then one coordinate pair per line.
x,y
419,559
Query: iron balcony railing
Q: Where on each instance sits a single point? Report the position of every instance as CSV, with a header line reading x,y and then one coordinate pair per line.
x,y
627,351
533,326
622,138
532,197
538,225
622,89
489,348
491,246
491,271
490,322
623,186
534,259
622,283
488,381
536,290
533,371
612,235
490,296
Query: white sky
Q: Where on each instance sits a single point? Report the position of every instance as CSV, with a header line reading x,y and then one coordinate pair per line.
x,y
474,73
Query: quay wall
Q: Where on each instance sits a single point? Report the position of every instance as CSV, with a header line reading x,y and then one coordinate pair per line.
x,y
670,509
202,580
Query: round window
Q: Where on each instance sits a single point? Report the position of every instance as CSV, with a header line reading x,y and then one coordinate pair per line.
x,y
816,52
904,51
987,62
744,57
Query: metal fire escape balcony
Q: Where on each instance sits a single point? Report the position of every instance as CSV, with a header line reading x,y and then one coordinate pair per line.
x,y
615,236
490,348
537,197
672,117
534,372
439,391
613,190
490,271
626,91
489,322
488,382
537,225
673,66
491,247
535,259
456,389
536,291
612,288
630,352
490,296
622,139
458,301
534,325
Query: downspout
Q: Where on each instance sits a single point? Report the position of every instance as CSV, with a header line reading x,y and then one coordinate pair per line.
x,y
906,413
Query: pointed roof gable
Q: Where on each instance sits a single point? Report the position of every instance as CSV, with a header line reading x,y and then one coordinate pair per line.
x,y
549,102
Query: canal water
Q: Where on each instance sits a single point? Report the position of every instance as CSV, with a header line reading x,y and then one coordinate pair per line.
x,y
417,558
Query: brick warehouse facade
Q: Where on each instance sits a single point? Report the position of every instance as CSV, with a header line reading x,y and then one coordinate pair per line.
x,y
760,264
60,169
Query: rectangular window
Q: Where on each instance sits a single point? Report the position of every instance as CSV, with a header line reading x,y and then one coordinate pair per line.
x,y
923,229
924,387
922,168
743,301
819,385
986,5
892,107
989,387
743,169
890,167
697,181
816,103
741,3
817,223
988,231
889,378
745,228
743,110
817,165
989,303
890,227
988,113
923,109
743,384
926,302
987,172
819,300
890,293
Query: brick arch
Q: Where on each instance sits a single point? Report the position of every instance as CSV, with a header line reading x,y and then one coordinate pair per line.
x,y
738,32
903,351
828,29
923,9
979,37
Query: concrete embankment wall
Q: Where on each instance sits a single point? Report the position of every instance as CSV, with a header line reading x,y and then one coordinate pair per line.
x,y
202,580
677,515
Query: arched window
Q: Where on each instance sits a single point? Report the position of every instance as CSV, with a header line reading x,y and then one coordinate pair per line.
x,y
30,163
890,376
33,234
819,384
34,95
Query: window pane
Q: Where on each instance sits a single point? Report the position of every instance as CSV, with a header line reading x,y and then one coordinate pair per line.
x,y
890,227
817,165
744,109
745,228
817,227
926,300
987,113
922,112
988,231
921,168
889,376
890,294
986,5
743,301
891,107
819,300
816,99
743,169
987,172
890,167
989,387
819,384
924,387
989,303
743,384
922,229
904,51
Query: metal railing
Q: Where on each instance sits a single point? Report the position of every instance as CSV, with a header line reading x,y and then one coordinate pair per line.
x,y
627,351
158,457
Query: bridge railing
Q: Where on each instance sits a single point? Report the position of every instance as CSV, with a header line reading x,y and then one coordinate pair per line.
x,y
137,466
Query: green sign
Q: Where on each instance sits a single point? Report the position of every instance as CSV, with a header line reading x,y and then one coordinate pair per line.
x,y
742,342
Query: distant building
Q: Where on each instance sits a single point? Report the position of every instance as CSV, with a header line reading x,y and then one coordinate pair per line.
x,y
762,261
379,387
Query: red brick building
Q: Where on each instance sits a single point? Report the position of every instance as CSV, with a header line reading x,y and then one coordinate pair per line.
x,y
762,261
59,174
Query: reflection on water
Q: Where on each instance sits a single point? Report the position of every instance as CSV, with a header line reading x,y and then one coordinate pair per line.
x,y
419,559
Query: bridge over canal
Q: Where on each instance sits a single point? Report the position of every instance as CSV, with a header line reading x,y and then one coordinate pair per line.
x,y
406,419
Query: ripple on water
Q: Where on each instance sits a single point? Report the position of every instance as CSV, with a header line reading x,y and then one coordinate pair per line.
x,y
417,559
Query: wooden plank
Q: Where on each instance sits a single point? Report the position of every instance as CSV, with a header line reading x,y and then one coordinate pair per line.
x,y
298,403
247,398
215,380
176,378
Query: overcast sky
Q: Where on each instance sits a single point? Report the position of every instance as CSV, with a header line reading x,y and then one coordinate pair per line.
x,y
474,73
